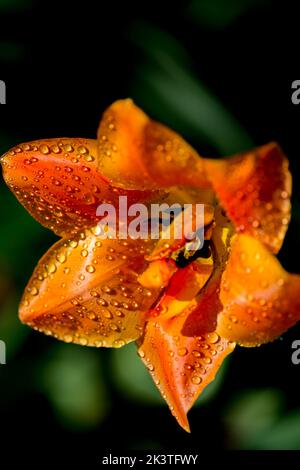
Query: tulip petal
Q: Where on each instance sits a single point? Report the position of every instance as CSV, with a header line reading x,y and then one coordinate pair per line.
x,y
85,290
57,181
260,299
136,152
181,366
254,189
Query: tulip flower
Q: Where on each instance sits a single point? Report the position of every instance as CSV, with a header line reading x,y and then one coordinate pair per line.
x,y
185,309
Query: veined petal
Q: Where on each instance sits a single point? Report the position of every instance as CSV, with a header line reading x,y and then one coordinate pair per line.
x,y
136,152
181,366
260,299
85,290
254,188
57,181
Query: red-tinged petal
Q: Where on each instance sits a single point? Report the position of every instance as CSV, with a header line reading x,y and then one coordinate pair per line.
x,y
260,299
85,290
181,366
254,188
136,152
57,181
207,302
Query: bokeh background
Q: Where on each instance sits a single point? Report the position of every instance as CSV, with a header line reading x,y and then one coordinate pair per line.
x,y
220,73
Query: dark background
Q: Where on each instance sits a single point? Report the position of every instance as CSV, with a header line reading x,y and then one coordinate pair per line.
x,y
220,73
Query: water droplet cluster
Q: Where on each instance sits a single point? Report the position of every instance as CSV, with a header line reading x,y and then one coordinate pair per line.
x,y
259,297
181,363
85,291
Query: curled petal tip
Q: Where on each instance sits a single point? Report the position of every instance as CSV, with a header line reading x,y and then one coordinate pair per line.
x,y
254,188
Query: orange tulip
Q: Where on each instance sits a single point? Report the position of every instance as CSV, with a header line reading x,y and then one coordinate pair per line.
x,y
186,310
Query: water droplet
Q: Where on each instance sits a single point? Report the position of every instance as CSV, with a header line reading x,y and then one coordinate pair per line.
x,y
107,314
61,258
207,360
119,343
82,150
68,338
107,290
213,337
44,149
90,269
94,293
114,327
33,290
51,268
96,230
196,380
84,253
55,149
89,158
68,148
182,352
196,353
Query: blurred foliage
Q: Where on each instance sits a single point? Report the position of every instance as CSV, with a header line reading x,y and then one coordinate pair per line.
x,y
132,377
12,331
13,5
71,380
11,51
166,85
258,420
218,14
284,434
251,415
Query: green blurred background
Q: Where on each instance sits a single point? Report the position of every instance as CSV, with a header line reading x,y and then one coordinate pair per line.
x,y
220,73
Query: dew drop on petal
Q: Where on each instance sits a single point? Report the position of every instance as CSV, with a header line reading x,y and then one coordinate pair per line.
x,y
196,380
182,352
90,269
213,337
61,258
